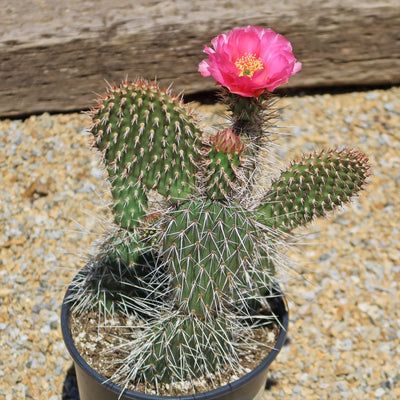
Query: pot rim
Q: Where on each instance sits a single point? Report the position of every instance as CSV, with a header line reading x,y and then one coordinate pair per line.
x,y
209,395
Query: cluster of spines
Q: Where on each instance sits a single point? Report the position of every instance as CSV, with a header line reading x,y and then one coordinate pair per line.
x,y
148,140
179,347
119,273
312,187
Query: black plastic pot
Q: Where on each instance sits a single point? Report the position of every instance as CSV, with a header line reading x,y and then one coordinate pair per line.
x,y
93,386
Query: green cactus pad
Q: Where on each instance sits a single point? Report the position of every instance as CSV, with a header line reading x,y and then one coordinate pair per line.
x,y
317,184
148,141
211,250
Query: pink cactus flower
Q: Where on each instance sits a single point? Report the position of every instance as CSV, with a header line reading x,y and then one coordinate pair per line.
x,y
249,61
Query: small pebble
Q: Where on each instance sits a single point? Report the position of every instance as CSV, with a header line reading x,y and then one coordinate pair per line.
x,y
379,392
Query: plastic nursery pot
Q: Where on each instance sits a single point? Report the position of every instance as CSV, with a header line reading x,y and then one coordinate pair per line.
x,y
93,386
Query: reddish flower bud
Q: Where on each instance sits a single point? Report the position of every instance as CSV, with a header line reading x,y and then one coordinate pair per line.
x,y
228,142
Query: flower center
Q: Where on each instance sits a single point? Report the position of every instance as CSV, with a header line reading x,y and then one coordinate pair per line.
x,y
248,64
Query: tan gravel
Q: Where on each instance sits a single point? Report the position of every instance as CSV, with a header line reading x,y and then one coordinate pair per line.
x,y
344,293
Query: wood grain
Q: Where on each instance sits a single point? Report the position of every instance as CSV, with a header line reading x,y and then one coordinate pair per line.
x,y
55,55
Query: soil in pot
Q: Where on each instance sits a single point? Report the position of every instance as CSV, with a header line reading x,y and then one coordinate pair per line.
x,y
100,346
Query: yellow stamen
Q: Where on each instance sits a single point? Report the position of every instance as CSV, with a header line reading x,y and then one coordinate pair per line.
x,y
248,64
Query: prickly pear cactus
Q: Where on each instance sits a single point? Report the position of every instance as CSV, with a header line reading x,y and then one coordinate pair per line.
x,y
203,259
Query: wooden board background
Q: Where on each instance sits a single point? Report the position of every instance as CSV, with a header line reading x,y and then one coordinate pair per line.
x,y
55,54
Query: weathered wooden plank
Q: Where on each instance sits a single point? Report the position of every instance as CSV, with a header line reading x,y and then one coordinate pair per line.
x,y
55,55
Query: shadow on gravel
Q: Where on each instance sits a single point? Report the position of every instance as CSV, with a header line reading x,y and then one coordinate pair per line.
x,y
70,387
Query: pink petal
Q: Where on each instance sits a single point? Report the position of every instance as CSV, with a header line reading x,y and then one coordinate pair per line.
x,y
204,68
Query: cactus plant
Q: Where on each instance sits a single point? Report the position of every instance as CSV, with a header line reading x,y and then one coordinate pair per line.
x,y
195,242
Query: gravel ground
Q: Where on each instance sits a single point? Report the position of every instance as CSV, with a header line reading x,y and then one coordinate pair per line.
x,y
344,293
